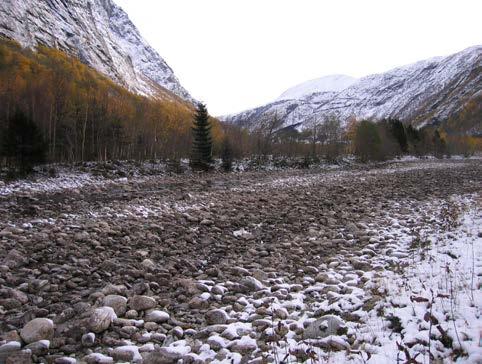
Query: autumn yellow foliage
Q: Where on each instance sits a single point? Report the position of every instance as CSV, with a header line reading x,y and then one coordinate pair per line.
x,y
83,115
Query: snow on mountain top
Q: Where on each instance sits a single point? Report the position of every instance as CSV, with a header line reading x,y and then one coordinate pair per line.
x,y
100,34
331,83
425,92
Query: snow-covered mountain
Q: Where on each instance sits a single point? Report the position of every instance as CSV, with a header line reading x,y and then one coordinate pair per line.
x,y
331,83
100,34
422,93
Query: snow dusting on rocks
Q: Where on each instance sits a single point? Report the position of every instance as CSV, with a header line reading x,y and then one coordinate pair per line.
x,y
377,265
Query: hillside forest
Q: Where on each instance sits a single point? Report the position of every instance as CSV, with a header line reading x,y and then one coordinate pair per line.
x,y
55,109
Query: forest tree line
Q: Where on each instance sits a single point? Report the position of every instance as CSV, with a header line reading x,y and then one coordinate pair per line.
x,y
326,137
82,115
54,109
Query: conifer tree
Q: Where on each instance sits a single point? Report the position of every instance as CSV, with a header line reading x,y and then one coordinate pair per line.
x,y
22,143
227,155
202,141
398,132
415,139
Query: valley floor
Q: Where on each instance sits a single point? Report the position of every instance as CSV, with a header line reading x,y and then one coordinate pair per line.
x,y
360,265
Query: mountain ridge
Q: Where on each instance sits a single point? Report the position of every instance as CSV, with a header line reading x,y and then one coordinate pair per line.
x,y
424,92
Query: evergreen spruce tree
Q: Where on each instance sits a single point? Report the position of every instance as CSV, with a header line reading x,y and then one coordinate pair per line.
x,y
202,146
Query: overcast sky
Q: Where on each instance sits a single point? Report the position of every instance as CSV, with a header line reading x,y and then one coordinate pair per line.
x,y
238,54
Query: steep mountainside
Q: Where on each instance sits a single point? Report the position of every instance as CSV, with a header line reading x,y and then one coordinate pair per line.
x,y
331,83
427,92
99,33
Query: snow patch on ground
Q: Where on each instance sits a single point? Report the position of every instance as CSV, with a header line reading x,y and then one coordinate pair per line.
x,y
67,181
436,297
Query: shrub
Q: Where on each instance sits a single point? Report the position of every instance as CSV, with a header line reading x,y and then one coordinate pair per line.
x,y
227,156
22,144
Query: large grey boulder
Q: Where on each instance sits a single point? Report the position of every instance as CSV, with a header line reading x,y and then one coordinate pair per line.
x,y
37,329
142,303
118,303
101,319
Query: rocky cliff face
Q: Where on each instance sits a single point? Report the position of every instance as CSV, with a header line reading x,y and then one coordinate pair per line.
x,y
426,92
99,33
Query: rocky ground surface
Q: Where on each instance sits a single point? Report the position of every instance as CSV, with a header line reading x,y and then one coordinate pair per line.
x,y
247,267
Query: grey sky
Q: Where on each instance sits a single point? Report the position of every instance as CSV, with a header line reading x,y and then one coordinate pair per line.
x,y
238,54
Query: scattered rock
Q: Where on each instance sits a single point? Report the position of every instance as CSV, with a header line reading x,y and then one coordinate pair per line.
x,y
88,339
15,259
118,303
162,356
101,319
129,353
97,358
8,349
20,357
216,317
223,289
252,284
157,316
39,347
244,346
324,326
148,264
65,360
142,303
37,329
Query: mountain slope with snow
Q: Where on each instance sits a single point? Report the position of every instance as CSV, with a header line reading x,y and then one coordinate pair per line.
x,y
426,92
331,83
100,34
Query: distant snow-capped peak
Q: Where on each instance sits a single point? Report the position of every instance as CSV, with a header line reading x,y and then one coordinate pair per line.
x,y
426,92
330,83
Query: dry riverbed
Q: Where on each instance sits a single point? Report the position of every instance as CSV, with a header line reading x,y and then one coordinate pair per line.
x,y
349,265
